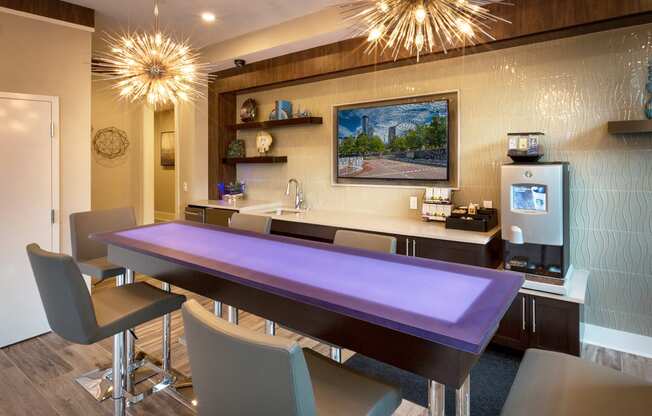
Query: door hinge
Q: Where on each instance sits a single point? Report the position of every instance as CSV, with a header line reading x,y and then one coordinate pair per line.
x,y
52,130
52,216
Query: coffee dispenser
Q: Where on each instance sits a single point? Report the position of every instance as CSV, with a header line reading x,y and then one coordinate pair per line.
x,y
535,228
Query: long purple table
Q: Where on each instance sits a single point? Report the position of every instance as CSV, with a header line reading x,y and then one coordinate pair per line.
x,y
428,317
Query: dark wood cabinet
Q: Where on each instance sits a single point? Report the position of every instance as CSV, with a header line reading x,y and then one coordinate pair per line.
x,y
513,329
555,325
218,216
540,322
484,255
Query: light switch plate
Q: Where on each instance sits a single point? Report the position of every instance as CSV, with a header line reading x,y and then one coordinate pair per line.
x,y
185,187
488,204
414,203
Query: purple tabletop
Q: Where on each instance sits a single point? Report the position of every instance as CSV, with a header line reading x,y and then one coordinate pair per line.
x,y
451,304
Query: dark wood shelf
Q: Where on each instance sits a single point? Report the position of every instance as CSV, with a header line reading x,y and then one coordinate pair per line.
x,y
257,159
630,126
270,124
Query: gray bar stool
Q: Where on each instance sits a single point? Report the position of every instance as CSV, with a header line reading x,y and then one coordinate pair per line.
x,y
79,317
364,241
551,383
256,224
265,375
91,258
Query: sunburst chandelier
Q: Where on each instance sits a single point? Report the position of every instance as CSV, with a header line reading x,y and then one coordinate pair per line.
x,y
418,26
152,67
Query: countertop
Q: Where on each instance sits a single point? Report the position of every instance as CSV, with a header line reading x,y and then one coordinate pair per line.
x,y
243,205
576,292
412,227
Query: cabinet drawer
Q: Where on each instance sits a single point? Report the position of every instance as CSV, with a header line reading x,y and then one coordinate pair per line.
x,y
217,216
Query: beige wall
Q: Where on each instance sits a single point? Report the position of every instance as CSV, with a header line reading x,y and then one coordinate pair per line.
x,y
164,176
116,183
568,89
50,59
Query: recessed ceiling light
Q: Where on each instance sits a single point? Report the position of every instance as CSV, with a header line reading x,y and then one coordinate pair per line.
x,y
208,17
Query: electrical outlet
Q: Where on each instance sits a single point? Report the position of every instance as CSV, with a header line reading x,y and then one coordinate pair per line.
x,y
414,202
185,187
488,204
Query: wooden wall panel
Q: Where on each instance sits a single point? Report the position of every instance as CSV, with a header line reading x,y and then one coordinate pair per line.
x,y
221,113
54,9
532,21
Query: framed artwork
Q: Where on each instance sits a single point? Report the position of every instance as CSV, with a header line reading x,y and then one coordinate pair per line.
x,y
168,139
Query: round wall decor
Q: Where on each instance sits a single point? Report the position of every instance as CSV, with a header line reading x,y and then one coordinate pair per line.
x,y
110,143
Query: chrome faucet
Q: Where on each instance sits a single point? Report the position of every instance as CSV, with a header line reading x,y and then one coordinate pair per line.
x,y
298,192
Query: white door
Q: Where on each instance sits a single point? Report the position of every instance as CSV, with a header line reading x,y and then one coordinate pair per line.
x,y
29,193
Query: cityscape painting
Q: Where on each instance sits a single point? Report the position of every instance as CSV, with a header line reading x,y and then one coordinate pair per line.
x,y
406,141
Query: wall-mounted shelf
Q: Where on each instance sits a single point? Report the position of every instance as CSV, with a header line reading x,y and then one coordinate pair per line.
x,y
270,124
630,126
257,159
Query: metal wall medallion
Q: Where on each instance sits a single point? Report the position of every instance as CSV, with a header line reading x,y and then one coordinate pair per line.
x,y
110,143
248,110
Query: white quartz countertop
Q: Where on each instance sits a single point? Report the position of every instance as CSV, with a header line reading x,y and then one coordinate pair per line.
x,y
412,227
243,205
575,293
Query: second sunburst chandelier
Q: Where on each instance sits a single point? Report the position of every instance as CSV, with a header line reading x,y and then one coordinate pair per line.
x,y
152,67
419,26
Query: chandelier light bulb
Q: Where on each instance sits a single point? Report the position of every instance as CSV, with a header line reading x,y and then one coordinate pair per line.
x,y
420,14
375,34
383,6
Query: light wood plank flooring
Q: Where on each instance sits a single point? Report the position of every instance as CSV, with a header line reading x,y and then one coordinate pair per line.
x,y
37,376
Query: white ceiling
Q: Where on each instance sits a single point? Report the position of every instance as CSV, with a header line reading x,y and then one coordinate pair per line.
x,y
182,17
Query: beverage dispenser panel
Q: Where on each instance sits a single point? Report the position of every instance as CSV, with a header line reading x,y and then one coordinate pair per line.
x,y
534,211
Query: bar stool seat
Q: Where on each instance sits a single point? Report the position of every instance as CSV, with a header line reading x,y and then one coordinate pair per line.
x,y
551,383
100,268
123,307
339,390
262,375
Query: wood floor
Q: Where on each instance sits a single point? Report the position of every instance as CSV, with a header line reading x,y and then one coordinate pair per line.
x,y
37,376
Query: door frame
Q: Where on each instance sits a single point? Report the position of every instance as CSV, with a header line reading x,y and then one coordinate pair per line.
x,y
54,157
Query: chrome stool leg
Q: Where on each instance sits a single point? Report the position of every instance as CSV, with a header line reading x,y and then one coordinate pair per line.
x,y
463,399
217,308
436,399
119,405
233,315
336,354
270,327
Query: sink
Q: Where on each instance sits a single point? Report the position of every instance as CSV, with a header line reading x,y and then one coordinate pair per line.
x,y
284,211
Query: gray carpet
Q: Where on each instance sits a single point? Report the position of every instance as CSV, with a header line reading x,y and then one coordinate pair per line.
x,y
491,380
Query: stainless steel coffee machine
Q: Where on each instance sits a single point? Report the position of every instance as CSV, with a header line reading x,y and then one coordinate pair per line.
x,y
535,225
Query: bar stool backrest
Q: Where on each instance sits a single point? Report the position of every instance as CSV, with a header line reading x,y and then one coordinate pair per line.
x,y
254,223
64,294
237,371
83,224
365,241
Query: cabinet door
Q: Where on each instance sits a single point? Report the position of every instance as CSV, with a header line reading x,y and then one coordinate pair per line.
x,y
403,245
555,325
218,216
513,329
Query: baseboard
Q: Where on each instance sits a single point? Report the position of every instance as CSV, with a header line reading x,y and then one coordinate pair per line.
x,y
617,340
165,216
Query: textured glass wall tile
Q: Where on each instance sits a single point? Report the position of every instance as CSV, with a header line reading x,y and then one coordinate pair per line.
x,y
569,89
